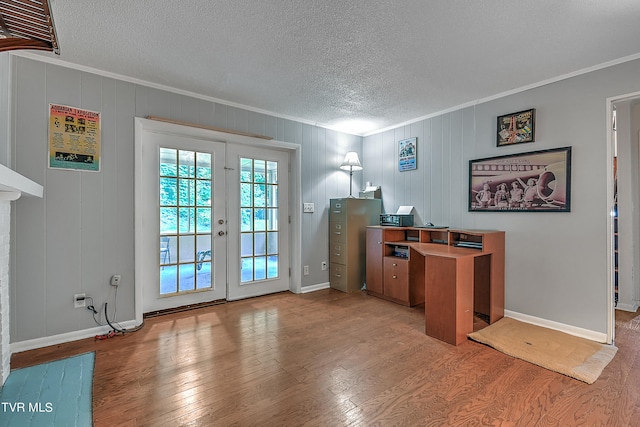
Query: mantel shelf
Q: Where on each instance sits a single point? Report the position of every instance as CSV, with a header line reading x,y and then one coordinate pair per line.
x,y
13,182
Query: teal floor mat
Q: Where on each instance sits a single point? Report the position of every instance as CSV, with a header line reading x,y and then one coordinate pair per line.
x,y
55,394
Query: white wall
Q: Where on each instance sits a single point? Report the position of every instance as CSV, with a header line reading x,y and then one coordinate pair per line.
x,y
556,263
82,232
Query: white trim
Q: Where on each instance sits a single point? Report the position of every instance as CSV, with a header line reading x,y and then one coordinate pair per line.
x,y
9,196
571,330
313,288
628,307
611,321
17,347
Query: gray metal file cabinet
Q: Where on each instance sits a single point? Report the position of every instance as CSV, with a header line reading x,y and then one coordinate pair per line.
x,y
348,221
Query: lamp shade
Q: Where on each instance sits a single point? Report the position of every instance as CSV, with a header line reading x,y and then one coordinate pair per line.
x,y
351,162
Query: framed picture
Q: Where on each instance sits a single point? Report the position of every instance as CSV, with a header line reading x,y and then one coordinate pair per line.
x,y
516,128
407,154
538,181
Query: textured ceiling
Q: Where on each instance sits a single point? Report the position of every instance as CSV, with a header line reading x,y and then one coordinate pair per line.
x,y
373,62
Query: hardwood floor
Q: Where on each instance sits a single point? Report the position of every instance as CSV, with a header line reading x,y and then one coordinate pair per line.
x,y
332,359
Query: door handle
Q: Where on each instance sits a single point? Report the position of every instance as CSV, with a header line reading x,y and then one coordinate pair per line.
x,y
221,233
221,221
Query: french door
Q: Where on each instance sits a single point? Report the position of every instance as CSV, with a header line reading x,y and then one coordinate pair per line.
x,y
213,219
184,221
259,216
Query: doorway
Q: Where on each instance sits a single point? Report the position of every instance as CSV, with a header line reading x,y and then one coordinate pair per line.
x,y
623,195
209,210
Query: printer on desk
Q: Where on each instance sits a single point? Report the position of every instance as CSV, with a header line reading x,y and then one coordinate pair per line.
x,y
396,220
402,218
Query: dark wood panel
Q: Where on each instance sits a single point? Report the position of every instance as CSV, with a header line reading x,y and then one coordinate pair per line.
x,y
330,358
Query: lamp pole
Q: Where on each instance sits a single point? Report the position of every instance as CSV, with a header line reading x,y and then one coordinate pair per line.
x,y
350,181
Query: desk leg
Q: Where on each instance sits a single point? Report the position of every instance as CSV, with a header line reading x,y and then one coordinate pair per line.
x,y
449,298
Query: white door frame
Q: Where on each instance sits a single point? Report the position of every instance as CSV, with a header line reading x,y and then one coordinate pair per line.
x,y
611,320
295,195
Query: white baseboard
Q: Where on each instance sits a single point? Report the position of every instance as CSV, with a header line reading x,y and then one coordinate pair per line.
x,y
627,307
571,330
313,288
20,346
17,347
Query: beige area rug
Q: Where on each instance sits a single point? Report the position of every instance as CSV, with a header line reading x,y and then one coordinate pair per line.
x,y
575,357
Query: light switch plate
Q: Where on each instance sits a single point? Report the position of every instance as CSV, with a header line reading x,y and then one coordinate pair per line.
x,y
308,208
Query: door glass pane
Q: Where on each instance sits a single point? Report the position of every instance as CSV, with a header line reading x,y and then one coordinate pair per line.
x,y
168,220
246,224
186,167
246,248
185,221
203,225
272,172
246,274
272,219
272,243
203,166
272,267
259,219
187,249
203,275
187,192
168,164
260,244
168,191
272,196
259,213
169,280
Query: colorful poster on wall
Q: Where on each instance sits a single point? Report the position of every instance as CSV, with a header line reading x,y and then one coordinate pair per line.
x,y
407,154
74,138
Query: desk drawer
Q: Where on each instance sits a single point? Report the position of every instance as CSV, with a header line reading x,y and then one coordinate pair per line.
x,y
395,265
396,279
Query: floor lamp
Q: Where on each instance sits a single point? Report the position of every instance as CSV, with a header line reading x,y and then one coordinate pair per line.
x,y
351,163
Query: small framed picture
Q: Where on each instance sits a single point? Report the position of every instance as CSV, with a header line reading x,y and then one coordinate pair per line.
x,y
516,128
407,154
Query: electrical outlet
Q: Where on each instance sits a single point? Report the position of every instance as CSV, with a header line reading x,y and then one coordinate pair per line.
x,y
308,208
305,270
324,265
79,300
115,279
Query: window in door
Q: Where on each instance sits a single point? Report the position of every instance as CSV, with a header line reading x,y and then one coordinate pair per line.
x,y
258,220
185,221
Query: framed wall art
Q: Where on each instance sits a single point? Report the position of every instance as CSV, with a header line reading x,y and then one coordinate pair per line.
x,y
516,128
407,154
537,181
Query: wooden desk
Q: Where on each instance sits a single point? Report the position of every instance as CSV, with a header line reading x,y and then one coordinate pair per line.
x,y
456,273
449,289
